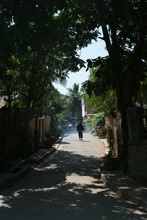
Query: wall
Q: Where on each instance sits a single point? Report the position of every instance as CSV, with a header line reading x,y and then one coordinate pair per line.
x,y
138,160
20,122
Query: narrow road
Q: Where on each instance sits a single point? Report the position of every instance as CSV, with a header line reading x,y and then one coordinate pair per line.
x,y
67,186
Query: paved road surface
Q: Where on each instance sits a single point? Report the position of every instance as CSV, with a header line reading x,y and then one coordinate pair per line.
x,y
67,186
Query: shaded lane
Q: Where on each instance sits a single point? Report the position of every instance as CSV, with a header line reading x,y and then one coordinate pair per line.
x,y
67,186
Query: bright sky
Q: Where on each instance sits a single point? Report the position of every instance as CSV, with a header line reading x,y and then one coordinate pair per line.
x,y
96,49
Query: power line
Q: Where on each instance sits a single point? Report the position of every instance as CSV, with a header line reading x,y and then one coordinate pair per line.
x,y
96,51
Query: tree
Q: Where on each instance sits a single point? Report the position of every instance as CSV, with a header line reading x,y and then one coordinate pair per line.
x,y
68,25
74,101
106,104
125,35
42,48
99,90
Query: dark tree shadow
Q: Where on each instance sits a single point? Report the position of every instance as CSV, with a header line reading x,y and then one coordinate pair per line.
x,y
65,186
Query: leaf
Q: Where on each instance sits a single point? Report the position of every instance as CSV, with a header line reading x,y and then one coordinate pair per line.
x,y
89,64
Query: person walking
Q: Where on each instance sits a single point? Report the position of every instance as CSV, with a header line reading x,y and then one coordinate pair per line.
x,y
80,130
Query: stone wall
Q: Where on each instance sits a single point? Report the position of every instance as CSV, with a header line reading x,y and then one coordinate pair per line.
x,y
138,160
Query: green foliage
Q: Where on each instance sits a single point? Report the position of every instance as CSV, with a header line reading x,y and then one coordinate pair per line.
x,y
88,123
51,134
41,40
106,104
101,78
98,121
27,140
99,96
73,98
36,54
53,40
142,98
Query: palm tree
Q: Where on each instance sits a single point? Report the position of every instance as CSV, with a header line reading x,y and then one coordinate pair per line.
x,y
74,101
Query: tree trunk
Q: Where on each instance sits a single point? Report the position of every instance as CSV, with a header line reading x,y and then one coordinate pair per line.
x,y
126,90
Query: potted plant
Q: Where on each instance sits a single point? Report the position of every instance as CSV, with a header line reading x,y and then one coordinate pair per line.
x,y
107,159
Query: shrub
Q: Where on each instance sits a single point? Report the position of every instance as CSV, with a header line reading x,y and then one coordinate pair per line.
x,y
98,121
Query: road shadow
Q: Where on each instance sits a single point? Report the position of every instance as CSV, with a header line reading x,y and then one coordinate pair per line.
x,y
65,142
65,186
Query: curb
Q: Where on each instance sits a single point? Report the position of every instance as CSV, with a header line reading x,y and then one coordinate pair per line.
x,y
13,177
39,156
22,169
126,188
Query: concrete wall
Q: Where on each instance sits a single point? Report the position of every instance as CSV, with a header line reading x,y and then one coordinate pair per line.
x,y
138,160
137,145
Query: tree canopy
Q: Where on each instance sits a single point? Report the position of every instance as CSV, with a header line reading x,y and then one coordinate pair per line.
x,y
59,28
124,31
36,48
74,104
54,31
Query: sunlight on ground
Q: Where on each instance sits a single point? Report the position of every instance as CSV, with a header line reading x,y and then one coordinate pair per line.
x,y
44,189
78,179
2,200
50,167
92,184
